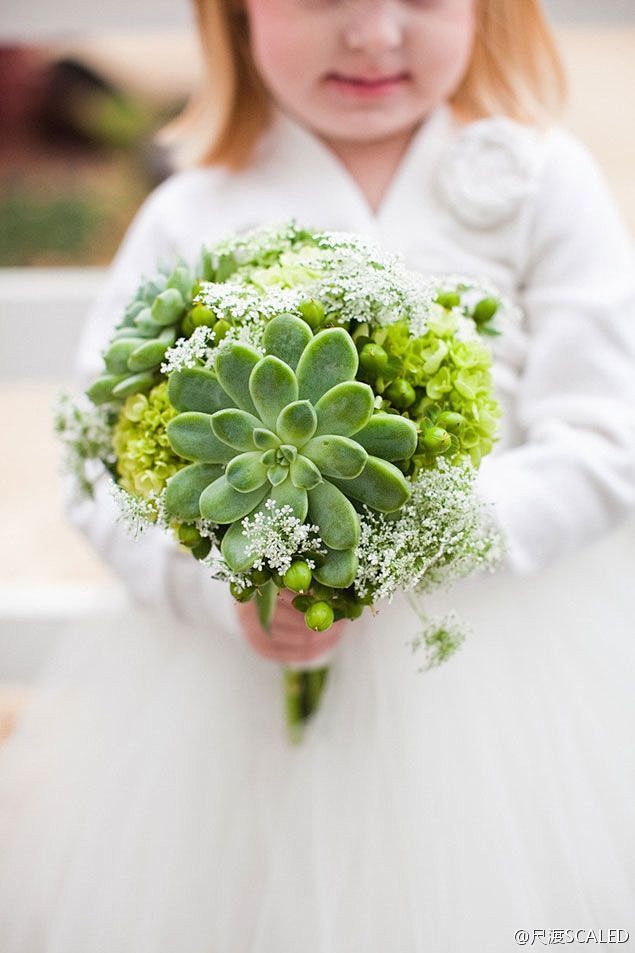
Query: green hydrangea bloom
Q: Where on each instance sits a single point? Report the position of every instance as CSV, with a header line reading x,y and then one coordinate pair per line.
x,y
145,459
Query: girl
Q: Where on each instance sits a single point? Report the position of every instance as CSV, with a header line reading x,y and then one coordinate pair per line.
x,y
480,806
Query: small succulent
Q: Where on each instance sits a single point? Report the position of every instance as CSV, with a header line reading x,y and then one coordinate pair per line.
x,y
293,426
149,327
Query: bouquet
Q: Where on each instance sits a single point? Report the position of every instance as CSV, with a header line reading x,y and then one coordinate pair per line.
x,y
302,413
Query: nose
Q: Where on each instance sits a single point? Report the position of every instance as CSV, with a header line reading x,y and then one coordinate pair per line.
x,y
373,26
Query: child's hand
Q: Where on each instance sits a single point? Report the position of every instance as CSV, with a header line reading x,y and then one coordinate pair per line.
x,y
289,639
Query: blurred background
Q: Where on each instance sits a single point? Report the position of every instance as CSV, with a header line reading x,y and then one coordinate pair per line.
x,y
83,90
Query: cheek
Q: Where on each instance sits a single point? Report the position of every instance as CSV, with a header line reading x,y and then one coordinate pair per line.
x,y
280,42
445,48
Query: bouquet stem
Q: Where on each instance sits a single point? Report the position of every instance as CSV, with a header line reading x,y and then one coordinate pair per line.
x,y
302,693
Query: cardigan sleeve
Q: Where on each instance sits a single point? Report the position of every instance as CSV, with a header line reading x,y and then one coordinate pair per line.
x,y
155,569
574,476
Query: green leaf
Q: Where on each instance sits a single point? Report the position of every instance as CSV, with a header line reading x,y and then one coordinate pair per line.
x,y
190,435
147,355
221,503
246,472
286,337
167,307
304,474
266,603
265,439
118,353
389,436
134,384
380,485
336,456
328,359
335,515
296,423
235,428
185,487
277,474
344,409
100,391
233,548
194,388
233,365
338,569
286,494
272,386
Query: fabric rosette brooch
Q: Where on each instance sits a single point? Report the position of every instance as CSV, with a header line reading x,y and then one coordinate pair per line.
x,y
303,413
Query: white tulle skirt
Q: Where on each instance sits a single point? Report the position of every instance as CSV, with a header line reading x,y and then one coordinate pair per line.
x,y
151,803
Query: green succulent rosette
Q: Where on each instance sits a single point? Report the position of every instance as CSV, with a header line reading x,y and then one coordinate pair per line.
x,y
292,426
302,413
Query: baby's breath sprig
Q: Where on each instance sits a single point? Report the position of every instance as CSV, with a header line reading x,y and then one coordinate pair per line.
x,y
86,434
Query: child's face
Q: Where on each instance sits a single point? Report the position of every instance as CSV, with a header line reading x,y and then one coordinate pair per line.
x,y
359,70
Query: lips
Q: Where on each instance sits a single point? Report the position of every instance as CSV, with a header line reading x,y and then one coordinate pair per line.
x,y
367,86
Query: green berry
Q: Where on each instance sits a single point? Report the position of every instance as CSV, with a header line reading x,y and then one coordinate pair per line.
x,y
188,325
241,595
485,310
449,299
373,358
436,439
189,536
319,617
220,329
200,315
401,393
312,312
298,576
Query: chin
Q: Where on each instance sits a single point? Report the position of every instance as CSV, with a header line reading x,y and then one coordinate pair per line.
x,y
366,128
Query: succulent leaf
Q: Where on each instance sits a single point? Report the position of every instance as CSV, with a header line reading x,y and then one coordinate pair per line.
x,y
185,487
246,472
380,485
389,436
335,515
296,422
304,474
328,359
336,456
117,356
233,548
344,409
191,436
286,494
221,503
194,388
235,428
272,386
286,337
167,307
147,355
338,569
134,384
277,474
100,391
233,366
265,439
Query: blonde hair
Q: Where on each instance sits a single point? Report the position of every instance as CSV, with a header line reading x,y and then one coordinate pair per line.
x,y
515,70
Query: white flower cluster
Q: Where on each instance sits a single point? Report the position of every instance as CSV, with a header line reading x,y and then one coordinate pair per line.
x,y
137,513
278,536
275,536
442,533
86,434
